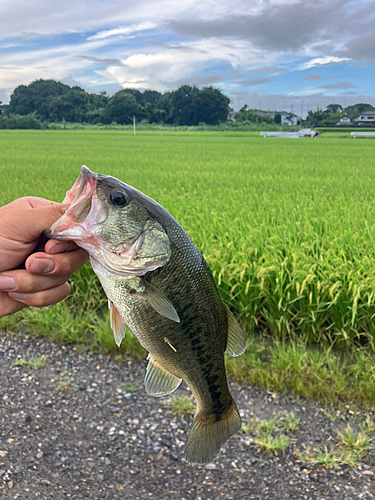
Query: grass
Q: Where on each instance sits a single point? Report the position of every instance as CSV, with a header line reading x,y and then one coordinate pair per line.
x,y
287,227
34,363
131,387
312,371
181,406
350,448
272,435
63,385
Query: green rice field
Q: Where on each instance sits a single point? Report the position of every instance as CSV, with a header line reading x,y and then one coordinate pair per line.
x,y
287,226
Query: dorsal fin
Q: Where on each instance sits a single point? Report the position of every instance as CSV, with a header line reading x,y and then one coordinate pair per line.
x,y
158,380
117,323
160,302
236,342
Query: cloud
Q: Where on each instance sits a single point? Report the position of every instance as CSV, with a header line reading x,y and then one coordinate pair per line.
x,y
253,81
198,80
323,61
312,76
276,26
124,30
148,44
175,46
338,85
103,61
270,70
362,47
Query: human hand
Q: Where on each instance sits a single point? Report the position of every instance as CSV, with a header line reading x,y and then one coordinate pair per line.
x,y
44,280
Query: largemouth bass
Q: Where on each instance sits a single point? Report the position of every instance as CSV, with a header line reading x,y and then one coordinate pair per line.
x,y
159,285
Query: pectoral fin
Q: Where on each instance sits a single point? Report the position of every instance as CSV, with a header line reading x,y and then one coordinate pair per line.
x,y
160,303
236,342
117,323
158,380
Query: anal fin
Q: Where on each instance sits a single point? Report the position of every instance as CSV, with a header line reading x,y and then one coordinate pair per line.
x,y
117,323
159,381
236,341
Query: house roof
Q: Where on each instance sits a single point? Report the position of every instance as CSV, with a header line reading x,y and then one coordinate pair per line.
x,y
370,112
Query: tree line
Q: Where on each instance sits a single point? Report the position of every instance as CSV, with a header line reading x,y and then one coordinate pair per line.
x,y
51,101
45,102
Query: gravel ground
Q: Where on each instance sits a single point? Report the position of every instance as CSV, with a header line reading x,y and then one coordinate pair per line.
x,y
103,437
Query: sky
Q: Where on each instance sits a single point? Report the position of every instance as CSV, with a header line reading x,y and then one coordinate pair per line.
x,y
290,55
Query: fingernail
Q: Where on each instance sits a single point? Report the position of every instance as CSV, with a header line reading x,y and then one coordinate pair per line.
x,y
60,247
7,283
42,266
18,296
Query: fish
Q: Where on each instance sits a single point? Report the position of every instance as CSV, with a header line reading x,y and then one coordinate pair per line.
x,y
159,285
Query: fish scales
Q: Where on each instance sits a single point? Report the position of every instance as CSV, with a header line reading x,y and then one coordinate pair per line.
x,y
160,286
202,330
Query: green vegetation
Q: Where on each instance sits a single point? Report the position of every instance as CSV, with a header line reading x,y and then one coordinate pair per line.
x,y
313,371
181,406
131,387
34,363
287,228
63,385
350,449
50,101
333,112
272,435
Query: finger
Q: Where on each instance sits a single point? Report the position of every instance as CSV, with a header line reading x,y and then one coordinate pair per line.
x,y
58,264
36,202
43,298
8,305
26,225
22,281
29,202
55,246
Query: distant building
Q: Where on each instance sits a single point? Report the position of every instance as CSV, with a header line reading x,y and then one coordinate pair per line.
x,y
344,120
232,116
366,118
290,119
287,118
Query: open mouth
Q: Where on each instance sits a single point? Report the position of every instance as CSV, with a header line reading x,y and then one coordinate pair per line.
x,y
80,201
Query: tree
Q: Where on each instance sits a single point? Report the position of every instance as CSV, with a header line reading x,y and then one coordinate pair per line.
x,y
277,118
213,106
333,108
190,106
121,108
36,97
71,107
357,109
184,106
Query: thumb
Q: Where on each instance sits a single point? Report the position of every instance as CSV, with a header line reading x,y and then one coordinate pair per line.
x,y
42,218
28,224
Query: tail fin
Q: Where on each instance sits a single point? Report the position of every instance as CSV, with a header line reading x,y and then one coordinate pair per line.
x,y
207,435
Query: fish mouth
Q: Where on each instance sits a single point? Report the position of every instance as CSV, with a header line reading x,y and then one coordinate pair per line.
x,y
81,223
84,206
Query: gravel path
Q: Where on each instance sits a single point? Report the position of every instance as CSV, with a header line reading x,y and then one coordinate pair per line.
x,y
102,437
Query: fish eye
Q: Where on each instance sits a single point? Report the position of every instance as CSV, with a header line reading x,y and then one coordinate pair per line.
x,y
118,198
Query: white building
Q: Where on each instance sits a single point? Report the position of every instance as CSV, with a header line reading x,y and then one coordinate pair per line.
x,y
344,120
367,117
